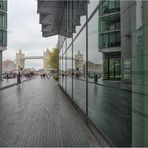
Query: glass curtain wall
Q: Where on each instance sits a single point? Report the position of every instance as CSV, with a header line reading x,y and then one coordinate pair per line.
x,y
3,23
79,69
140,74
60,67
69,71
107,103
118,113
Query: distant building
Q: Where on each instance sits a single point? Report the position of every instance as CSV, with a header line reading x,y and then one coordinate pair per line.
x,y
8,66
95,67
79,62
28,70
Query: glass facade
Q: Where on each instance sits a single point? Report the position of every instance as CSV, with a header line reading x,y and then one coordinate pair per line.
x,y
95,57
110,38
3,23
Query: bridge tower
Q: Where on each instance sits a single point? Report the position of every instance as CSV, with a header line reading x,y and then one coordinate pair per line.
x,y
20,61
46,58
79,62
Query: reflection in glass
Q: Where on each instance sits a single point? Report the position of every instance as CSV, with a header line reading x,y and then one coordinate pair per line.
x,y
109,107
79,75
69,71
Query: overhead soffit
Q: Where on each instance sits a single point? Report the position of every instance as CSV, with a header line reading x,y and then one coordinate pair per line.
x,y
52,18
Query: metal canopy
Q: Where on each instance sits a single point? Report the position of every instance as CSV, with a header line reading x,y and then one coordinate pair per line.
x,y
56,16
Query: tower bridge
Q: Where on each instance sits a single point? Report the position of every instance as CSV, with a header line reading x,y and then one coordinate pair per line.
x,y
34,57
21,58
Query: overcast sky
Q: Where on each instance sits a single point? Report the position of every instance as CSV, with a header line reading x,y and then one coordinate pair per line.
x,y
24,32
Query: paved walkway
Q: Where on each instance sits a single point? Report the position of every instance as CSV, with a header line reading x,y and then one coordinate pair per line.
x,y
39,115
5,83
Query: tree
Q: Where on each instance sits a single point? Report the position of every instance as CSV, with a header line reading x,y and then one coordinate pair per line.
x,y
54,58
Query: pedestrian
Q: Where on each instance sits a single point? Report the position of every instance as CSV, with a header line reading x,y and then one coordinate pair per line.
x,y
7,76
19,79
95,78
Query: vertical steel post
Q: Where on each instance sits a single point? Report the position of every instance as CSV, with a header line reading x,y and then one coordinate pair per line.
x,y
86,62
72,51
0,65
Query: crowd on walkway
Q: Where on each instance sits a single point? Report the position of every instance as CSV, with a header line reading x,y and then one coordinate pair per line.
x,y
44,75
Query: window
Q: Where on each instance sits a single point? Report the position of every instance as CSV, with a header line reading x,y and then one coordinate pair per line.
x,y
110,7
4,38
111,39
3,5
109,23
3,20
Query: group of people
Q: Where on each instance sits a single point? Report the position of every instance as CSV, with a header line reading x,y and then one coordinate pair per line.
x,y
45,76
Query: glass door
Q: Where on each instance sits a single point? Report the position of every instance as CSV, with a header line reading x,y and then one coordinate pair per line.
x,y
117,63
111,68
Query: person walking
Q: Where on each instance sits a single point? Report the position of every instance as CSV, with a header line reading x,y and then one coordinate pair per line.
x,y
19,79
95,78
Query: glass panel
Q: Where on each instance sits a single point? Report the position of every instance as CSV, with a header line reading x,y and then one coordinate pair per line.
x,y
69,40
64,46
117,62
79,81
109,107
61,68
4,38
3,5
140,82
106,70
112,39
105,40
111,68
1,38
91,6
80,18
69,71
1,20
64,71
126,69
95,61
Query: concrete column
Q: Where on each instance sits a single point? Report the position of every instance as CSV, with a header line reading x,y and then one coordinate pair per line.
x,y
0,65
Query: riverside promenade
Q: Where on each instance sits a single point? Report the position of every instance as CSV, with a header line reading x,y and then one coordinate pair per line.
x,y
38,114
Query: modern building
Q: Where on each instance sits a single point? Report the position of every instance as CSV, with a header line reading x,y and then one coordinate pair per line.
x,y
8,66
111,36
109,39
3,30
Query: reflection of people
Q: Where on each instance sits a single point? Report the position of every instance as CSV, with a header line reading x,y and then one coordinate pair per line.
x,y
7,75
77,72
19,79
95,78
63,75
